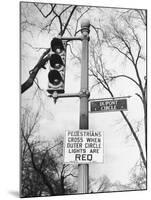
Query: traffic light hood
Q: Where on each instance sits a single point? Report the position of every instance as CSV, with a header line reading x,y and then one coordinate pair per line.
x,y
55,78
56,61
56,43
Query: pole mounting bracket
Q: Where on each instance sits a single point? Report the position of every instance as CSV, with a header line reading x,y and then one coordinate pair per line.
x,y
84,93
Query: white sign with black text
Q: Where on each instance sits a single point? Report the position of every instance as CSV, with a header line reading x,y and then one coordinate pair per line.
x,y
83,146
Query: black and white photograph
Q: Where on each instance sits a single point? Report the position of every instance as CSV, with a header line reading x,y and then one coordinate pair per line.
x,y
83,99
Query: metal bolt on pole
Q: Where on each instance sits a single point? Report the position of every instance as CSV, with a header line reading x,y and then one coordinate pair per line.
x,y
83,169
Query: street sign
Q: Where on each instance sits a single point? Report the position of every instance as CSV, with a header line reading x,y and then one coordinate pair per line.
x,y
83,146
108,105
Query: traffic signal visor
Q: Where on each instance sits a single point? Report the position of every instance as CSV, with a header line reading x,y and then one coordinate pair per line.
x,y
57,45
55,79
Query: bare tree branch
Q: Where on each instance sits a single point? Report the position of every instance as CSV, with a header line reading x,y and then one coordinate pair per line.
x,y
68,20
136,139
33,73
45,16
125,76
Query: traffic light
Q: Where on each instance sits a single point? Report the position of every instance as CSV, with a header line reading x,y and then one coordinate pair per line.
x,y
56,75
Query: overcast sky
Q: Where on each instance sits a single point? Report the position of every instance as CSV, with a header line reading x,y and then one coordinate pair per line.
x,y
120,151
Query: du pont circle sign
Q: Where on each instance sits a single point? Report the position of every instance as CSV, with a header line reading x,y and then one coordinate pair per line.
x,y
83,146
108,105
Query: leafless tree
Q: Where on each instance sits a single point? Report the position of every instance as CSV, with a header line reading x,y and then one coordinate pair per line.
x,y
138,177
42,162
104,184
100,184
122,35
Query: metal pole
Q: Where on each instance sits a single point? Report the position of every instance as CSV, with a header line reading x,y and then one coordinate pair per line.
x,y
83,169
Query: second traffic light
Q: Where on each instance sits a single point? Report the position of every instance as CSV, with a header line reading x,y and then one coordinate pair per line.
x,y
56,75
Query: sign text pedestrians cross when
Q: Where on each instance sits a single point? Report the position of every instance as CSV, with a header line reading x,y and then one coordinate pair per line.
x,y
83,146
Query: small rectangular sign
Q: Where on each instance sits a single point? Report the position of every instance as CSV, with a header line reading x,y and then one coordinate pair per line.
x,y
83,146
108,105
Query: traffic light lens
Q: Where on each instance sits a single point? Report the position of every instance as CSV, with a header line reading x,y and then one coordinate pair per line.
x,y
57,66
58,50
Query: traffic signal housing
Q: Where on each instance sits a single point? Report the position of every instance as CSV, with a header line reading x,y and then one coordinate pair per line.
x,y
56,75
